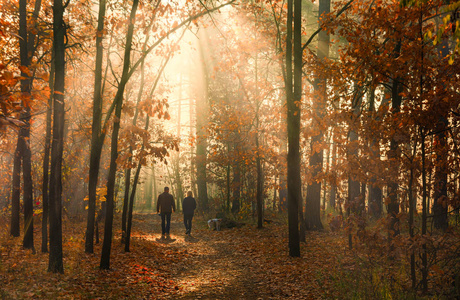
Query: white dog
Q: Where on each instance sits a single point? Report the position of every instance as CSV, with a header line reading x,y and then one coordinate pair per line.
x,y
214,224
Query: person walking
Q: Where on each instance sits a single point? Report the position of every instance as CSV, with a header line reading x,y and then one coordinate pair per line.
x,y
165,206
188,207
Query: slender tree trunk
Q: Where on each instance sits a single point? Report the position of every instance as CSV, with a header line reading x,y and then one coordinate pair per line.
x,y
259,196
155,190
108,227
424,214
259,192
130,159
313,201
28,241
440,203
96,140
201,145
412,207
192,148
16,193
131,207
333,191
423,150
355,200
229,188
24,132
180,191
148,190
375,192
133,193
393,186
236,194
293,98
124,212
55,264
46,161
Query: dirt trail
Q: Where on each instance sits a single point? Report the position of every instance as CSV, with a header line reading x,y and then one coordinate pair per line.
x,y
239,263
243,263
211,268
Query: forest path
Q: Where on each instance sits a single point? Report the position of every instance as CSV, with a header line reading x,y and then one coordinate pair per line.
x,y
238,263
212,267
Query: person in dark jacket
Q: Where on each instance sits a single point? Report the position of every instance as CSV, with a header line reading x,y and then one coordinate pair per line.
x,y
165,206
188,207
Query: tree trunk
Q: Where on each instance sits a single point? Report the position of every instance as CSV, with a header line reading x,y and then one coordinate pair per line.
x,y
108,226
201,144
96,140
412,208
333,190
155,190
355,198
393,186
133,193
46,161
424,213
229,188
293,96
177,174
130,159
440,203
23,145
259,196
192,148
148,190
260,190
236,194
313,201
28,241
16,193
375,192
124,212
55,264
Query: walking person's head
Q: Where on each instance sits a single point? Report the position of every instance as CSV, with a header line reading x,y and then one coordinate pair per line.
x,y
166,189
189,194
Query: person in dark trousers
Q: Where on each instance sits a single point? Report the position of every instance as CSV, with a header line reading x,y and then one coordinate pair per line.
x,y
165,206
188,207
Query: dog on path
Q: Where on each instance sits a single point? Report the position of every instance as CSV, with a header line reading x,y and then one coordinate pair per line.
x,y
214,224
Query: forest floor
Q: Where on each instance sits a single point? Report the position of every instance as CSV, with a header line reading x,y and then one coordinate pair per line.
x,y
237,263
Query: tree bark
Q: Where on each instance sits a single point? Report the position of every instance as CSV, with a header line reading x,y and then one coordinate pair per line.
x,y
313,201
393,186
424,212
96,139
46,161
440,203
236,184
55,263
333,189
108,226
23,145
124,212
133,194
16,193
201,139
375,192
130,159
260,187
293,100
